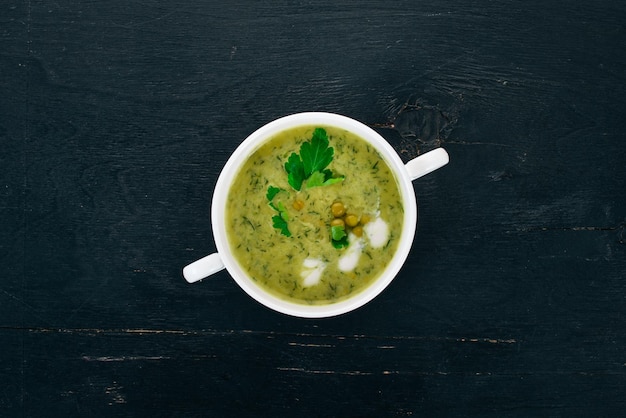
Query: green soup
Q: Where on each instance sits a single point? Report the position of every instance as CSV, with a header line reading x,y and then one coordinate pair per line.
x,y
290,241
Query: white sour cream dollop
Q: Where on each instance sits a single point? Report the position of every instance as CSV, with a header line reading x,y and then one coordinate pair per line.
x,y
312,270
377,232
350,259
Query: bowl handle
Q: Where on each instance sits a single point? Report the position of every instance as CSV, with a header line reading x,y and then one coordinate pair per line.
x,y
203,268
427,163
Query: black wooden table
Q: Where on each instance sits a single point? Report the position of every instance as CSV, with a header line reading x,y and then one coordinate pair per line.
x,y
117,116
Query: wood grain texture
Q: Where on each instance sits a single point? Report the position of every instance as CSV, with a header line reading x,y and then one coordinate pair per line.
x,y
117,117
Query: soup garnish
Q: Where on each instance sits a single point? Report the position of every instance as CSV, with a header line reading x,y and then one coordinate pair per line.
x,y
317,226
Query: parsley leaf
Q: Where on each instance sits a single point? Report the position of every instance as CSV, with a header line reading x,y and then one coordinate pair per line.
x,y
310,165
280,223
337,232
339,239
283,211
342,243
295,171
316,179
322,179
272,191
316,155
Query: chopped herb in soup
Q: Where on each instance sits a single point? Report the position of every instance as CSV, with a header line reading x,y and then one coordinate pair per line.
x,y
314,215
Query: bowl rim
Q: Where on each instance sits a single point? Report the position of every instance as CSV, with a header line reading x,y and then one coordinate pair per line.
x,y
249,146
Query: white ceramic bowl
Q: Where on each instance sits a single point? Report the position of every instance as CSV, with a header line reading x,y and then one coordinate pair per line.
x,y
404,173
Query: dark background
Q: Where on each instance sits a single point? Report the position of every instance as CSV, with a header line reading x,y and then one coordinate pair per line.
x,y
117,116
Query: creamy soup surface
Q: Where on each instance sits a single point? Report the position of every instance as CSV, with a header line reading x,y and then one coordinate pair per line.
x,y
308,266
